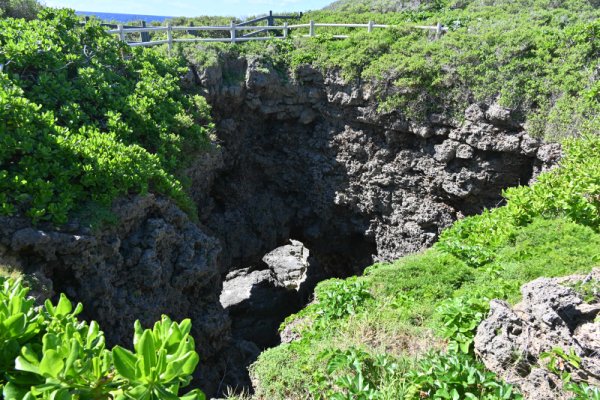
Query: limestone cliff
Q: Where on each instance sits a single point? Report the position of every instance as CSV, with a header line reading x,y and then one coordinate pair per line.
x,y
306,157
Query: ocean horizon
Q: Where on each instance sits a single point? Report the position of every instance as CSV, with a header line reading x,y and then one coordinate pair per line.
x,y
124,18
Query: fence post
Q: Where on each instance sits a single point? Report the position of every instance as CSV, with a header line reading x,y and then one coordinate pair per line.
x,y
232,25
286,30
270,19
145,35
170,37
121,33
370,27
438,30
311,30
191,31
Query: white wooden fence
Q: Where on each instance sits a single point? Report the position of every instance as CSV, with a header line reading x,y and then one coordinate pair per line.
x,y
233,30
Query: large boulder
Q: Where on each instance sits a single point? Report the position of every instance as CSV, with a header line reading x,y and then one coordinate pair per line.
x,y
512,342
259,299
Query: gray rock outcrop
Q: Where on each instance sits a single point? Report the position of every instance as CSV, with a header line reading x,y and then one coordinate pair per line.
x,y
552,315
259,300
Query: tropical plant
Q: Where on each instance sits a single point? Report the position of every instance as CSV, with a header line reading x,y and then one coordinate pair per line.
x,y
47,353
456,377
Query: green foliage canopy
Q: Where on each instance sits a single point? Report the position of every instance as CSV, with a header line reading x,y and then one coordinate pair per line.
x,y
85,119
27,9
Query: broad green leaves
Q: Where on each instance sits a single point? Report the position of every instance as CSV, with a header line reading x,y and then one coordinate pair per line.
x,y
460,317
51,355
339,298
163,360
458,377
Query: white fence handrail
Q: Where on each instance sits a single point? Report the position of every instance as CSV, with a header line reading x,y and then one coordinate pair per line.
x,y
233,29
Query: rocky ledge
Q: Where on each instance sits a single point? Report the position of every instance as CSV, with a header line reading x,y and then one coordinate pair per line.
x,y
154,261
556,316
310,156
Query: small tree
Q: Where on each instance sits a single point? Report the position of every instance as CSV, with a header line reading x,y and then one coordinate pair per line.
x,y
27,9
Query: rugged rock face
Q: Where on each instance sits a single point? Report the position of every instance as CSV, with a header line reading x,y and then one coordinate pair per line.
x,y
154,261
306,158
552,315
310,158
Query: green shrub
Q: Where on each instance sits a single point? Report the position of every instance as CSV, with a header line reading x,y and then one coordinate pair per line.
x,y
355,374
338,298
583,391
457,376
288,371
460,317
47,353
85,119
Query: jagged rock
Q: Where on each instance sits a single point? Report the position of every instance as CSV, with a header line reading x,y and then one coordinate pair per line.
x,y
465,152
258,300
346,174
474,113
501,116
549,153
529,145
154,261
446,151
289,264
552,314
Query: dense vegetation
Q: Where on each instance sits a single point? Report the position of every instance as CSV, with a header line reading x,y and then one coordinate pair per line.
x,y
381,6
27,9
537,57
405,330
85,119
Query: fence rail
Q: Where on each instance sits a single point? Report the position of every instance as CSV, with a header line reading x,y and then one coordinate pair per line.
x,y
233,30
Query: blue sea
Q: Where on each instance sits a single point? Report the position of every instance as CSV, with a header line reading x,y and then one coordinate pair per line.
x,y
124,18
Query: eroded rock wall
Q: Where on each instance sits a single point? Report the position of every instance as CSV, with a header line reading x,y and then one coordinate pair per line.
x,y
309,157
512,341
154,261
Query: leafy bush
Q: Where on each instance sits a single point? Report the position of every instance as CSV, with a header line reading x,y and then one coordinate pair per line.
x,y
354,374
86,119
583,391
460,317
338,298
456,377
47,353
